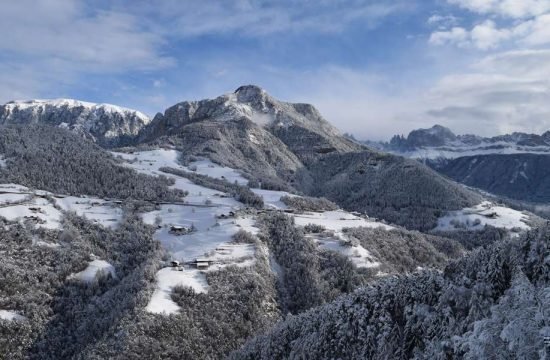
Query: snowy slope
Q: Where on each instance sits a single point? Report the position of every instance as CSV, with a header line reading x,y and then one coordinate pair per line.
x,y
19,203
211,238
94,267
486,213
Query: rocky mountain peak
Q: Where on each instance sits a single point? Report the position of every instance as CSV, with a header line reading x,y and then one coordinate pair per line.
x,y
437,135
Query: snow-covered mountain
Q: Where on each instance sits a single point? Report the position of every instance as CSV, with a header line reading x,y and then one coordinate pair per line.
x,y
439,142
287,146
106,124
254,105
515,165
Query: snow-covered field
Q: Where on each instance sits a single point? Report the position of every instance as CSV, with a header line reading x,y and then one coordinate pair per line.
x,y
272,199
337,220
207,167
11,316
19,203
167,278
486,213
358,255
149,162
94,267
96,210
209,230
211,237
37,209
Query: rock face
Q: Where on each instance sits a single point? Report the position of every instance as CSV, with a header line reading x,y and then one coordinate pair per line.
x,y
514,165
250,130
299,126
105,124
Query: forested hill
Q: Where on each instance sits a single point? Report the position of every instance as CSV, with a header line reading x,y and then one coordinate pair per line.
x,y
494,304
53,159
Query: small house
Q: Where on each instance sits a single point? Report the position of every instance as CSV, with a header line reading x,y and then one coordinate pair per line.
x,y
179,230
175,263
229,215
203,265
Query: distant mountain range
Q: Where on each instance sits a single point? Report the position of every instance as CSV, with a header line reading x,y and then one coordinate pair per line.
x,y
439,142
515,165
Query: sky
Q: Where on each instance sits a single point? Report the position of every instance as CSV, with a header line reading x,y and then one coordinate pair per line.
x,y
373,68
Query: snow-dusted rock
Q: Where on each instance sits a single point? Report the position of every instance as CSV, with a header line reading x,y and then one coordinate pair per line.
x,y
106,124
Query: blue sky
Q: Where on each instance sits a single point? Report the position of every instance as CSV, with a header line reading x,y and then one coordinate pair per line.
x,y
373,68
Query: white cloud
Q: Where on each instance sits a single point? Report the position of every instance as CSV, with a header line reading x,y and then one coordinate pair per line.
x,y
487,35
258,18
69,32
523,22
505,92
443,22
507,8
538,31
456,35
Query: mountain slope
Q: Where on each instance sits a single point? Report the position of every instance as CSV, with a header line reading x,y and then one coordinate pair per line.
x,y
518,176
290,146
491,304
514,166
108,125
399,190
52,159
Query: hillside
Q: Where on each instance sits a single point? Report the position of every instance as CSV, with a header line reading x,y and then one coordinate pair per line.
x,y
492,304
214,227
285,146
514,166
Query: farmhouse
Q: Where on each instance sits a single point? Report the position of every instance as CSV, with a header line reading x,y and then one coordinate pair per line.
x,y
180,230
202,264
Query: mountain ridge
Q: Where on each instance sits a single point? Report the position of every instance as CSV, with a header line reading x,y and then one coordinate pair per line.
x,y
108,125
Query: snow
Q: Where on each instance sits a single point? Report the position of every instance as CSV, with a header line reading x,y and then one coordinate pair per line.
x,y
486,213
337,220
167,279
2,161
272,198
11,316
358,255
149,162
9,198
18,203
48,216
96,210
71,103
241,255
207,167
13,188
94,267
